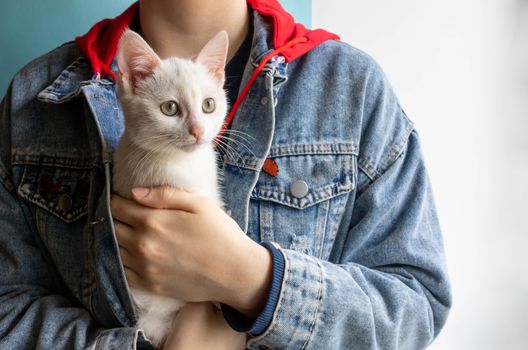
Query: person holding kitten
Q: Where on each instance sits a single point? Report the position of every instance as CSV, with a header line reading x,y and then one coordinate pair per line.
x,y
324,234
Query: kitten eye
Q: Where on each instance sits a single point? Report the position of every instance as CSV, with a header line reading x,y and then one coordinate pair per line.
x,y
208,105
169,108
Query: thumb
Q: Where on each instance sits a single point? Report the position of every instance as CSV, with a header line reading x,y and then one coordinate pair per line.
x,y
165,197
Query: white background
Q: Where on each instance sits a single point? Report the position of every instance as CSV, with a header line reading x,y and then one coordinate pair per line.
x,y
460,69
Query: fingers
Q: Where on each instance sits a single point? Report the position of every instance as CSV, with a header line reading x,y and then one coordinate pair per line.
x,y
128,211
167,198
124,234
133,278
136,212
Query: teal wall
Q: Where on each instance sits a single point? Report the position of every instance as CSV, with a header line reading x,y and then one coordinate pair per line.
x,y
30,28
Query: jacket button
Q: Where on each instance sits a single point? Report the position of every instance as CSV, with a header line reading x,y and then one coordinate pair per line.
x,y
264,100
299,189
65,202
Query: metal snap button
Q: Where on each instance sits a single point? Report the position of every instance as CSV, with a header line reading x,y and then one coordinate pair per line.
x,y
264,100
299,189
26,188
65,202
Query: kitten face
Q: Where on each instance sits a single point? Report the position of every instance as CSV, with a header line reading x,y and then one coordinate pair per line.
x,y
172,103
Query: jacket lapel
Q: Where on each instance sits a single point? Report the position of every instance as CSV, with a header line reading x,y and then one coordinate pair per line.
x,y
256,118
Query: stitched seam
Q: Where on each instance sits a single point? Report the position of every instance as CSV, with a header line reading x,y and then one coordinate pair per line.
x,y
31,197
312,148
367,167
43,204
319,298
324,230
52,90
246,163
298,149
396,150
23,158
302,153
338,188
316,195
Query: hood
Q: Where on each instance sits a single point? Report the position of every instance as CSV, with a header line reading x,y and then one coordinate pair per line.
x,y
99,45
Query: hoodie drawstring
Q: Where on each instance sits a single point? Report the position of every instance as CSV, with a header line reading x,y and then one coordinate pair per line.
x,y
252,79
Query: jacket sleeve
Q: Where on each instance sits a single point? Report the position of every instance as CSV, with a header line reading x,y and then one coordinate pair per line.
x,y
386,285
389,289
34,312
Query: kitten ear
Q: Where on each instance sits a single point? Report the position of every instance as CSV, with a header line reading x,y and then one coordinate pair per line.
x,y
135,59
214,54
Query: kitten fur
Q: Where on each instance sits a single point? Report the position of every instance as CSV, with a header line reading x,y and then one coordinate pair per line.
x,y
157,149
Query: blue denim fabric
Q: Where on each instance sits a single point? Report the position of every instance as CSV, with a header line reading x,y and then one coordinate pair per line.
x,y
364,261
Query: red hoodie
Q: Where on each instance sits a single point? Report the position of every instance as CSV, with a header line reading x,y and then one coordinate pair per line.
x,y
290,40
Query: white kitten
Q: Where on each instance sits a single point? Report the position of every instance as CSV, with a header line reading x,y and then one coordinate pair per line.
x,y
173,109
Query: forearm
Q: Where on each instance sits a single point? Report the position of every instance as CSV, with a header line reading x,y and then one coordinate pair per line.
x,y
249,280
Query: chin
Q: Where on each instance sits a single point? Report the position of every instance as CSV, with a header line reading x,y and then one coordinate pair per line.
x,y
192,147
188,148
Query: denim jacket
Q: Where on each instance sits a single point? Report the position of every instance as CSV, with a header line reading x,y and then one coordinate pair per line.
x,y
350,210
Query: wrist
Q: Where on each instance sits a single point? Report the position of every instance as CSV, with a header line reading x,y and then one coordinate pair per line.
x,y
250,280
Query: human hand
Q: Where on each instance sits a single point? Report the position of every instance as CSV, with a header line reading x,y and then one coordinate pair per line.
x,y
201,326
179,244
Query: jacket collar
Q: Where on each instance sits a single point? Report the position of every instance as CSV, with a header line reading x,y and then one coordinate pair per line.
x,y
101,41
69,83
273,28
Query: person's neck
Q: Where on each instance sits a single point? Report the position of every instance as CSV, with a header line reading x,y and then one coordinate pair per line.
x,y
182,27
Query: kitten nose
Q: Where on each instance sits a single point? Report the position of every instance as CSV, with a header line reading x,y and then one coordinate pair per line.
x,y
197,131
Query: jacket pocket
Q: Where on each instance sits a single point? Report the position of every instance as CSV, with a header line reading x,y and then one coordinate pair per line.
x,y
300,208
62,192
58,198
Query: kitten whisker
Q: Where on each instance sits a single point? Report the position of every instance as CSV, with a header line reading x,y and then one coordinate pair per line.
x,y
244,143
230,131
241,137
229,150
244,137
239,143
148,155
150,138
